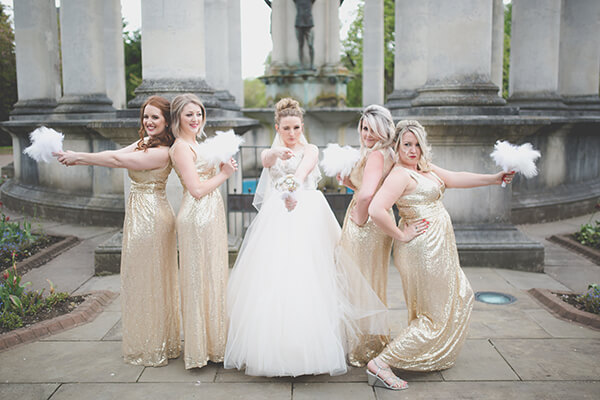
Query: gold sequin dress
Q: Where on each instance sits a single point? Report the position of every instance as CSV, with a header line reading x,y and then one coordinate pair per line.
x,y
438,295
203,262
149,284
369,248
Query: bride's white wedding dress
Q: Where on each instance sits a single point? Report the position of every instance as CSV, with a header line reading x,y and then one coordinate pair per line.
x,y
288,311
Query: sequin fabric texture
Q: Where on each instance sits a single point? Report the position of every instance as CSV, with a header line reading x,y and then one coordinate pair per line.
x,y
149,284
438,295
203,263
369,248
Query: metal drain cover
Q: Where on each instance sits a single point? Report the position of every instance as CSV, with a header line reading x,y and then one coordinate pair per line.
x,y
494,298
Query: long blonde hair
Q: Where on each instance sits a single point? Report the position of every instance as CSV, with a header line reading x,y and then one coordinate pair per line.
x,y
380,120
410,125
177,105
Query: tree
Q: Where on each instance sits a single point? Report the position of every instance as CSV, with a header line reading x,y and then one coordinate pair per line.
x,y
353,52
132,41
8,67
254,93
506,59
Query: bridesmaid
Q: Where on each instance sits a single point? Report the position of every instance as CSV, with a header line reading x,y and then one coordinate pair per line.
x,y
149,285
438,295
368,247
202,237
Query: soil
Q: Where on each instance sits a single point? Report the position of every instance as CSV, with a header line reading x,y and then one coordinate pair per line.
x,y
40,244
57,310
572,300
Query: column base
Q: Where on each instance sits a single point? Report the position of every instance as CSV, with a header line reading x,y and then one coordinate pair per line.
x,y
498,246
227,100
537,101
591,102
458,94
400,99
454,111
34,109
89,106
169,88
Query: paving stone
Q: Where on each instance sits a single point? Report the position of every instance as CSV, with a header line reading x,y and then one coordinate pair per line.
x,y
353,375
552,359
486,279
115,306
493,391
576,282
43,362
115,333
179,391
479,361
11,391
235,376
94,330
175,372
504,323
527,280
333,391
559,328
109,282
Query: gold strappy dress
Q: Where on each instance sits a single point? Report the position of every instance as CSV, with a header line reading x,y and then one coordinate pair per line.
x,y
369,248
149,284
438,295
202,237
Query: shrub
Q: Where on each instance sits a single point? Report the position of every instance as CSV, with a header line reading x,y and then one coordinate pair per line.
x,y
591,299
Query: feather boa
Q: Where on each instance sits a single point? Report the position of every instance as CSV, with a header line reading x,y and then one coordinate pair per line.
x,y
44,142
221,147
339,160
520,159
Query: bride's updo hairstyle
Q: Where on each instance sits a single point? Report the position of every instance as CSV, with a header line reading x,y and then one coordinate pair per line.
x,y
410,125
288,107
380,120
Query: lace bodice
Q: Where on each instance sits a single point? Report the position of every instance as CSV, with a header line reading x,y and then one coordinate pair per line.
x,y
282,168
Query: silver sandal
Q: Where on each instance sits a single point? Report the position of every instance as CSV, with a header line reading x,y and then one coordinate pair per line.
x,y
375,380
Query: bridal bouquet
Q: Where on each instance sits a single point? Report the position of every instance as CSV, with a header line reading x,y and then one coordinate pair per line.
x,y
288,185
44,142
339,160
221,147
520,159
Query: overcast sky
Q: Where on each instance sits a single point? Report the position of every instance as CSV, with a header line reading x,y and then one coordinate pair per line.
x,y
256,40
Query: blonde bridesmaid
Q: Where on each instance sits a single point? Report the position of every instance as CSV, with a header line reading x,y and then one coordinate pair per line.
x,y
149,285
438,295
368,247
202,237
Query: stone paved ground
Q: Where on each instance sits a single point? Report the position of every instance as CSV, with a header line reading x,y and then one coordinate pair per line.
x,y
516,351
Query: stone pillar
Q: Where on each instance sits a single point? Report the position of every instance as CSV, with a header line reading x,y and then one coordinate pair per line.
x,y
37,54
279,36
217,23
459,42
579,65
410,59
114,54
82,44
236,83
534,54
373,90
173,51
498,44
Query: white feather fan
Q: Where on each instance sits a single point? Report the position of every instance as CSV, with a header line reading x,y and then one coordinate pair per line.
x,y
44,142
221,147
339,160
520,159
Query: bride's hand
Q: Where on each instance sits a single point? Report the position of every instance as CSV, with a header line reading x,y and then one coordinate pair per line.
x,y
290,203
284,153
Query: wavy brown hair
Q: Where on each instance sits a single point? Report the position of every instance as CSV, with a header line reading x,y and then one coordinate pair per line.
x,y
162,139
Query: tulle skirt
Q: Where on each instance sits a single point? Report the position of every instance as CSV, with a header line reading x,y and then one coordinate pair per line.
x,y
288,310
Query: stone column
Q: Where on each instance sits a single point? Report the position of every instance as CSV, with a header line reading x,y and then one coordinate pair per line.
x,y
498,44
114,54
373,90
37,54
236,83
279,36
459,42
217,23
579,65
410,59
82,44
534,54
173,51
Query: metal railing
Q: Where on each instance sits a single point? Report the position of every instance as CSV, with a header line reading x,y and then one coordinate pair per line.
x,y
241,187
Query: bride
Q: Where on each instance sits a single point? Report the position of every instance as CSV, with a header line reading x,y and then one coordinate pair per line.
x,y
288,312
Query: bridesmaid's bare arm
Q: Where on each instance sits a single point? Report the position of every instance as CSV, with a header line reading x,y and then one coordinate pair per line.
x,y
464,180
